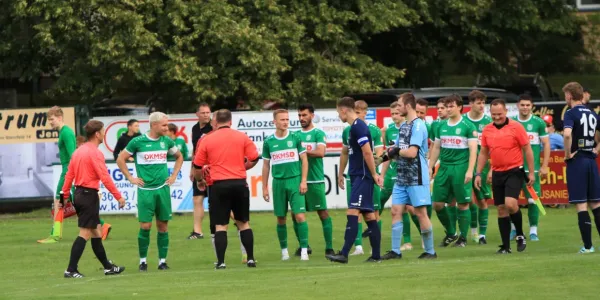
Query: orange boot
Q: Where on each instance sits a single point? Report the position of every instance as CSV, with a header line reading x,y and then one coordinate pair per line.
x,y
106,228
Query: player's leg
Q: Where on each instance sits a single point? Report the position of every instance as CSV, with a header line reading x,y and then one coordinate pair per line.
x,y
298,207
399,200
146,209
317,201
482,196
358,249
473,208
55,230
376,205
242,248
163,216
406,235
453,212
594,192
462,194
441,196
198,213
579,177
422,200
280,207
533,212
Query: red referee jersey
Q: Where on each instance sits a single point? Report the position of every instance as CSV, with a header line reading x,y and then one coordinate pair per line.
x,y
87,168
505,144
224,150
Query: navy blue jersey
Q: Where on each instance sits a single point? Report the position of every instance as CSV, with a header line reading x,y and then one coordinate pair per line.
x,y
584,124
359,135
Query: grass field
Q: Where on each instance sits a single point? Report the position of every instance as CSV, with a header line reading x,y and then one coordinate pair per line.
x,y
549,269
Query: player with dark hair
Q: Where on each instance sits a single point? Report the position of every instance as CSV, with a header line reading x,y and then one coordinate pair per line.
x,y
133,130
179,143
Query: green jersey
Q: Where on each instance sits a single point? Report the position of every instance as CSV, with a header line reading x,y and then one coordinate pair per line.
x,y
67,142
151,158
391,136
432,129
536,130
310,140
183,149
479,125
454,141
284,155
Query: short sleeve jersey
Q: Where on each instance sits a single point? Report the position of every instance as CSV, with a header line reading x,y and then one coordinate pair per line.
x,y
584,123
536,129
310,140
454,141
181,145
151,158
479,125
375,137
284,155
413,171
390,139
67,143
432,128
358,135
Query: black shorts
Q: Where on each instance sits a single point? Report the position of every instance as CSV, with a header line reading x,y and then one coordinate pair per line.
x,y
87,206
228,196
196,192
507,184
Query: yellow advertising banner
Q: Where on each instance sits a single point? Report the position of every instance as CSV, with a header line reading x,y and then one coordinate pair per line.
x,y
30,125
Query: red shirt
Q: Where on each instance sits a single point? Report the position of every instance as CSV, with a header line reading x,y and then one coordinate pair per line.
x,y
505,145
224,150
87,168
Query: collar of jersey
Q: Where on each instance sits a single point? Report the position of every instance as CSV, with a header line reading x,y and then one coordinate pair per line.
x,y
306,131
501,125
469,117
146,134
448,122
528,119
283,138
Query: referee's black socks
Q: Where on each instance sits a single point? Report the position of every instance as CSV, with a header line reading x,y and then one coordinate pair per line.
x,y
221,245
517,220
100,252
247,238
504,226
585,227
76,252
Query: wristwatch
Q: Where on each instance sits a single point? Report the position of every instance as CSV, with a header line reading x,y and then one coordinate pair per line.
x,y
477,174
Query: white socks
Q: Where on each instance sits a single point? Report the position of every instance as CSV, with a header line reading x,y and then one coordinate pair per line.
x,y
533,230
142,260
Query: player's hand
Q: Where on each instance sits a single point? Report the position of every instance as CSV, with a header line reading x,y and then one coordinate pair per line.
x,y
468,177
489,177
430,173
477,182
121,203
137,181
201,184
341,182
57,203
543,171
379,181
266,193
570,156
303,187
531,178
171,180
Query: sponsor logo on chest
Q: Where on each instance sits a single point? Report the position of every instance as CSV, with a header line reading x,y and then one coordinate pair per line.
x,y
284,156
151,157
454,142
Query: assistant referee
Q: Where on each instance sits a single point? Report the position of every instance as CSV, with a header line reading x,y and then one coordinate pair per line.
x,y
86,170
226,152
505,141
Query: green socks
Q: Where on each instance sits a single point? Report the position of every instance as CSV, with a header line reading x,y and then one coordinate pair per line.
x,y
406,227
143,242
444,217
379,225
358,241
303,234
162,241
282,236
328,232
464,221
296,228
452,215
415,220
533,212
101,222
429,210
473,208
483,221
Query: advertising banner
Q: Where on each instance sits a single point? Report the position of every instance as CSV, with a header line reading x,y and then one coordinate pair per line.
x,y
28,148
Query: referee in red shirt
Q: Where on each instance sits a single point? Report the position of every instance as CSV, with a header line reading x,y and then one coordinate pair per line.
x,y
505,141
226,152
86,170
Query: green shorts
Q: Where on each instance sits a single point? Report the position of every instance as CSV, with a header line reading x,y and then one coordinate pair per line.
x,y
287,191
386,192
537,187
450,184
315,197
154,202
376,195
486,189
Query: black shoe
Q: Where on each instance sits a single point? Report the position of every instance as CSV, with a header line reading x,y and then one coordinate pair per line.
x,y
251,263
114,270
74,274
143,267
339,258
482,241
449,239
163,266
373,260
195,236
299,251
503,250
521,243
391,255
220,266
329,252
426,255
366,233
461,242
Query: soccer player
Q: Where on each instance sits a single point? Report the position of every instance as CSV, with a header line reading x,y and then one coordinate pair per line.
x,y
150,151
479,120
442,116
581,149
456,146
133,130
314,141
198,130
412,183
363,177
67,142
179,143
284,151
536,131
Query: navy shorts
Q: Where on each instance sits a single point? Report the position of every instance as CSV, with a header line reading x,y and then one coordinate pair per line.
x,y
361,196
583,181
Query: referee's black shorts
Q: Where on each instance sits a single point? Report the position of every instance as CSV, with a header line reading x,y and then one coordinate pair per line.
x,y
227,196
87,206
507,184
